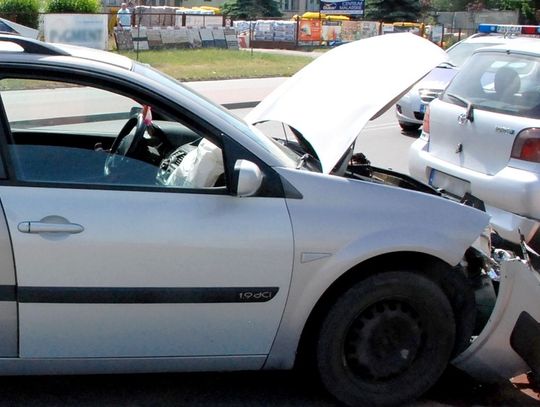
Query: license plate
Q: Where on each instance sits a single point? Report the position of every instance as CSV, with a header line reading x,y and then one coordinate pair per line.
x,y
422,108
449,184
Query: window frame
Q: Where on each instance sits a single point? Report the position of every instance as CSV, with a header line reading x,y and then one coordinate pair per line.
x,y
121,87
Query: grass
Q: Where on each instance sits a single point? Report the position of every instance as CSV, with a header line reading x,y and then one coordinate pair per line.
x,y
211,63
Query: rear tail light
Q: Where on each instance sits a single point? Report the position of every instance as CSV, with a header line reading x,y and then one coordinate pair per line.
x,y
425,125
527,145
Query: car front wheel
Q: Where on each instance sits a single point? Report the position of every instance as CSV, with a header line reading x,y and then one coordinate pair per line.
x,y
386,340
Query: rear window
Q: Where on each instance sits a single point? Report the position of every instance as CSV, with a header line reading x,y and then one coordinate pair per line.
x,y
498,82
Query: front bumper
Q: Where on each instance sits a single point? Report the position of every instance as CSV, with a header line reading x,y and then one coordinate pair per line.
x,y
408,109
506,347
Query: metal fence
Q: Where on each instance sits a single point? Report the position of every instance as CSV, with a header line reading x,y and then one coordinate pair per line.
x,y
169,27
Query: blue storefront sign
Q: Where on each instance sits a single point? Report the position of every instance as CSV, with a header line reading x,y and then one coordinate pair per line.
x,y
342,7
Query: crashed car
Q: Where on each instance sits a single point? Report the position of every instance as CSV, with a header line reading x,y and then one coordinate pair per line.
x,y
146,229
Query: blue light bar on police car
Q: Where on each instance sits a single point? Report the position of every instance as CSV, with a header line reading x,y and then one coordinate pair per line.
x,y
509,29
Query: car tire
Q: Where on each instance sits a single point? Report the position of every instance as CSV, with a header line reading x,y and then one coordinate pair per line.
x,y
386,340
409,127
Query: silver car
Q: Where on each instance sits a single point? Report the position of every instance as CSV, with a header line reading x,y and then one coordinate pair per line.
x,y
145,229
410,109
481,137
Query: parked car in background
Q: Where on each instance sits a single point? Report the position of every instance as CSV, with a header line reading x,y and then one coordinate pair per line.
x,y
482,136
410,109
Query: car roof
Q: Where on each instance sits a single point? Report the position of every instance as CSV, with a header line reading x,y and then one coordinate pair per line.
x,y
526,45
490,38
16,45
97,55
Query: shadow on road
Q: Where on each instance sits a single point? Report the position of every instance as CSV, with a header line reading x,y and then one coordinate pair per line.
x,y
413,134
222,389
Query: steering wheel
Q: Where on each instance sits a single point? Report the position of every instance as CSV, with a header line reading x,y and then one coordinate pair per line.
x,y
125,144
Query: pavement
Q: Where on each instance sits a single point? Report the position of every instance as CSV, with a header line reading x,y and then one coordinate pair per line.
x,y
236,93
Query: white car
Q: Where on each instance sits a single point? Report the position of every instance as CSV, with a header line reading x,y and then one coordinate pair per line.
x,y
481,137
410,109
145,229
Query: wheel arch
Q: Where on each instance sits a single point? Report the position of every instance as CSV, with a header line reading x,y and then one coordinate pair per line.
x,y
451,280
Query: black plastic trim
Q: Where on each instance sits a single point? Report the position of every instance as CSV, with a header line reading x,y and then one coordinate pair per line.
x,y
8,293
240,105
525,340
290,191
145,295
31,46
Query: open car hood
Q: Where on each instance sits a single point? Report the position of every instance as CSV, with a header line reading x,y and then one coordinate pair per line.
x,y
330,100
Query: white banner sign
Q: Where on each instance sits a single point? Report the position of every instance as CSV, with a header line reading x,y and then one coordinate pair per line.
x,y
88,30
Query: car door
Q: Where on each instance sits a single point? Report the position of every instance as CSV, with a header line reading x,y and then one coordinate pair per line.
x,y
124,266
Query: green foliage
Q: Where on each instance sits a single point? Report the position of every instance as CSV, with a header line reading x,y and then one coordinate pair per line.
x,y
393,10
250,9
215,63
73,6
526,7
450,5
23,12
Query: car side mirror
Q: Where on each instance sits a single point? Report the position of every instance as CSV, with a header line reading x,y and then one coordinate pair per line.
x,y
249,178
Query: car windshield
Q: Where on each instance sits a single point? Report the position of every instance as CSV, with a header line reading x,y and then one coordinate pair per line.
x,y
499,82
266,142
460,52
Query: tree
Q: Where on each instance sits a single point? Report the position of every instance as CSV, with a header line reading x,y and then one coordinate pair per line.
x,y
23,12
73,6
250,9
450,5
525,7
393,10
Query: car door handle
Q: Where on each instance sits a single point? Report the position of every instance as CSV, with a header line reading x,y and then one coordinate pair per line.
x,y
45,227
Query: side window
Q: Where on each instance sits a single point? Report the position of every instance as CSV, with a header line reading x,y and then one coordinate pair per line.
x,y
71,134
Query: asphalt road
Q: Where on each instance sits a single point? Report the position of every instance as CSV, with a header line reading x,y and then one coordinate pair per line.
x,y
269,389
382,141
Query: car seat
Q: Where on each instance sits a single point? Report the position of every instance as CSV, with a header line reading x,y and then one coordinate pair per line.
x,y
507,83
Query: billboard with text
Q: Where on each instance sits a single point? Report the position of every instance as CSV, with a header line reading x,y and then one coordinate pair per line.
x,y
343,7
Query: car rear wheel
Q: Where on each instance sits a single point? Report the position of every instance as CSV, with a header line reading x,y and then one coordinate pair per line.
x,y
386,340
405,126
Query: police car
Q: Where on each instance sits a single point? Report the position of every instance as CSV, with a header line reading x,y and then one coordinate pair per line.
x,y
482,136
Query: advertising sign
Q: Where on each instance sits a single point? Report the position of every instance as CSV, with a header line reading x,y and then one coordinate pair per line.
x,y
331,33
356,30
87,30
310,30
343,7
437,33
